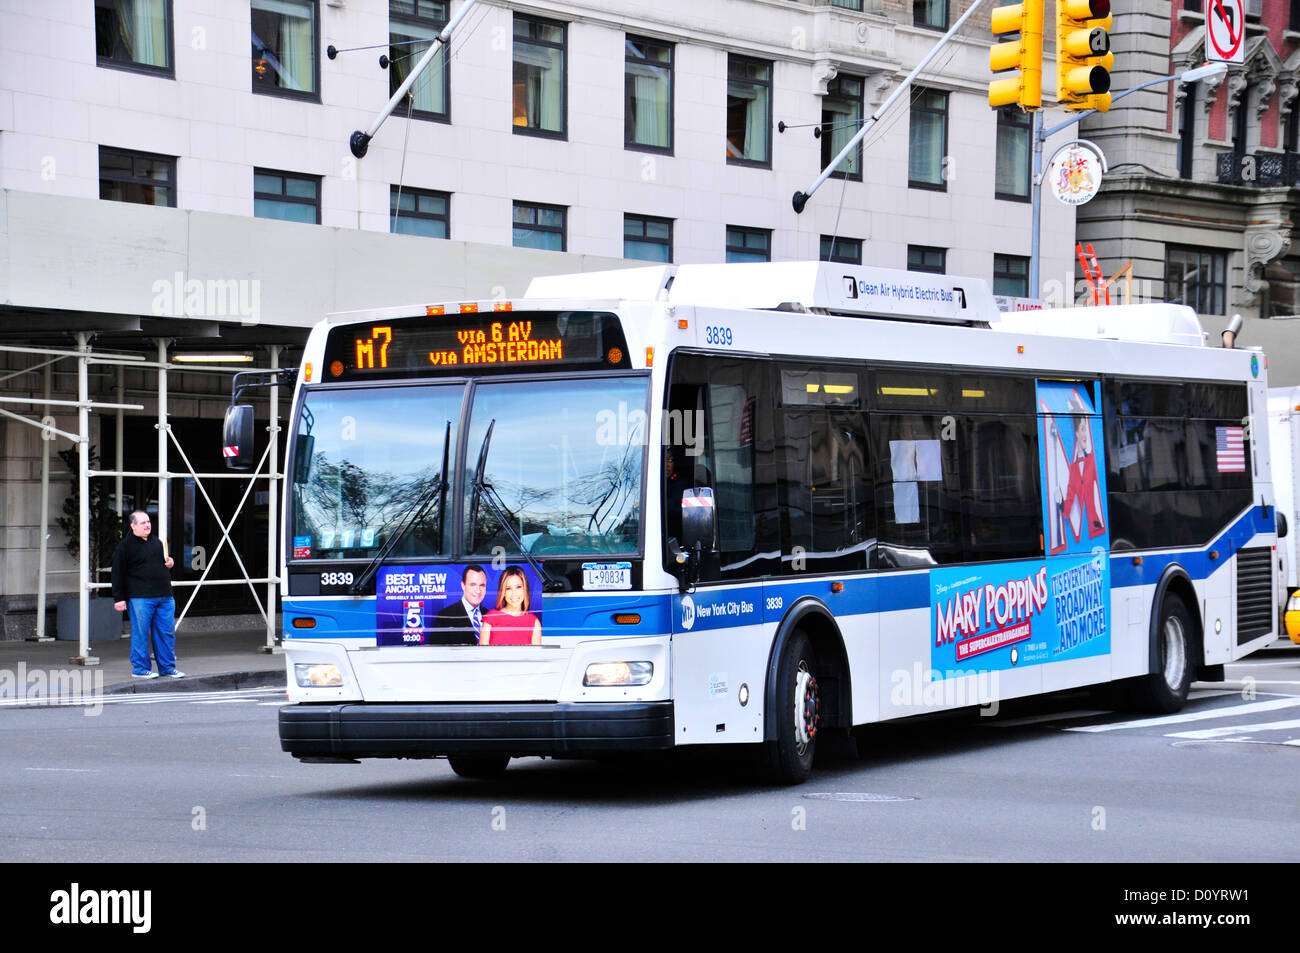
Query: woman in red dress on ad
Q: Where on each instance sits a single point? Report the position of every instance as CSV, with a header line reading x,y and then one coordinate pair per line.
x,y
510,623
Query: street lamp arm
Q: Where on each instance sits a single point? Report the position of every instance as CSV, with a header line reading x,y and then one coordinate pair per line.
x,y
1188,76
1040,135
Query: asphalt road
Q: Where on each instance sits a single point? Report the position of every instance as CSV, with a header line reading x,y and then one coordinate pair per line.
x,y
200,777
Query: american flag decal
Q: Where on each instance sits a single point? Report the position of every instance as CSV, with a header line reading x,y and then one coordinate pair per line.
x,y
1230,449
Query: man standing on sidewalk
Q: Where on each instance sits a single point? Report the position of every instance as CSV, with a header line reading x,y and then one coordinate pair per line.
x,y
142,585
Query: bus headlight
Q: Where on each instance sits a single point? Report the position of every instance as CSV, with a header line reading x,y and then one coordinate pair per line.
x,y
311,675
607,674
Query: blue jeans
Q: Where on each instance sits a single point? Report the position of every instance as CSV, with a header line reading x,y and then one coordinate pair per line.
x,y
153,620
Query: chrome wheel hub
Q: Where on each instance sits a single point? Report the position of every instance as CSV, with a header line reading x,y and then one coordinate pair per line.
x,y
806,716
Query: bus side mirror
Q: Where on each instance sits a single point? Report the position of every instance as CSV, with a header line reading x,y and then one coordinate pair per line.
x,y
302,454
1281,524
699,525
237,437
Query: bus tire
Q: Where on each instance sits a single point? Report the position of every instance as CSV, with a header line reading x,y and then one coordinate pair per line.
x,y
1165,690
479,767
789,758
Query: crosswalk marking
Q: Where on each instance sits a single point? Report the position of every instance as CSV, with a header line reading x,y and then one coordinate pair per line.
x,y
1204,715
1225,730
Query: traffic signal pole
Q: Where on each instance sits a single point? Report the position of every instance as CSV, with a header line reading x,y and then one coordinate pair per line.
x,y
1041,135
800,199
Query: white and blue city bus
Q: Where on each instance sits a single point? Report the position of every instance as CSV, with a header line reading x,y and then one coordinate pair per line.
x,y
751,504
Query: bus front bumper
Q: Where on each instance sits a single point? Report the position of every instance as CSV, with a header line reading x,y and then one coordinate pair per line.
x,y
360,730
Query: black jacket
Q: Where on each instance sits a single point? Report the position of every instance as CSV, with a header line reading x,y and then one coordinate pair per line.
x,y
139,571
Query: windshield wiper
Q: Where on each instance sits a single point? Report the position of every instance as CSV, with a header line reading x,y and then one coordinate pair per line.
x,y
616,486
484,491
408,520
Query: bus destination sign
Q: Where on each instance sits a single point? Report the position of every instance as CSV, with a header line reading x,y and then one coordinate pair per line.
x,y
501,342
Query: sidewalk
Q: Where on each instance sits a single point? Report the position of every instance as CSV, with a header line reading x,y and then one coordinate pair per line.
x,y
210,660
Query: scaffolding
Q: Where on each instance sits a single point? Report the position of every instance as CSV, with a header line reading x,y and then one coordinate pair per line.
x,y
267,469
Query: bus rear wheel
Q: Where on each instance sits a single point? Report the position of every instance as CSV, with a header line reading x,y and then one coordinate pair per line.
x,y
1164,691
789,759
479,767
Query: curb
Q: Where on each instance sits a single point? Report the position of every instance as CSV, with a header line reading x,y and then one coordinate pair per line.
x,y
224,681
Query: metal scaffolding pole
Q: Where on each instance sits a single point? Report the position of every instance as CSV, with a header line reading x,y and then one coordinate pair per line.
x,y
46,439
119,430
272,499
83,509
162,442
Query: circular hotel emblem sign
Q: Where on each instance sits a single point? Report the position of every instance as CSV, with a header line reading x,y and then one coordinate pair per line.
x,y
1075,174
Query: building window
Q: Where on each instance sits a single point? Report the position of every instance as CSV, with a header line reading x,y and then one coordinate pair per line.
x,y
1011,275
928,141
135,34
287,196
847,4
648,95
412,27
841,120
286,34
748,244
139,177
931,14
925,258
539,86
539,226
647,238
847,251
419,212
1192,6
1196,278
1011,181
749,111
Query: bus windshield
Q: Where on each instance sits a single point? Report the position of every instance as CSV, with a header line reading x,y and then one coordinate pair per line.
x,y
368,468
555,467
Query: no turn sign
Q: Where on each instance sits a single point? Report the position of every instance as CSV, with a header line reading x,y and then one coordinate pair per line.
x,y
1225,32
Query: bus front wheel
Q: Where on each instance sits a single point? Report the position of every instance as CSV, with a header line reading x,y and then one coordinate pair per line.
x,y
789,759
480,767
1164,691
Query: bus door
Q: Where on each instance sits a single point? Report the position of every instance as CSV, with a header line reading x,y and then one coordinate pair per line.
x,y
718,453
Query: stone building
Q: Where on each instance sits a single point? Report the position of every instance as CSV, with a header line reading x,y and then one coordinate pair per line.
x,y
1201,193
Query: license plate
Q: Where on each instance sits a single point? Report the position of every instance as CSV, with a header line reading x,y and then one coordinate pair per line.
x,y
606,575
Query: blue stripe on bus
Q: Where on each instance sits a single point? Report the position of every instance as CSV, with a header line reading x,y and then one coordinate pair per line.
x,y
563,616
1199,565
592,614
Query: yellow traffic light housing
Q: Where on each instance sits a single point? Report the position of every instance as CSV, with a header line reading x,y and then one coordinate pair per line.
x,y
1083,56
1025,54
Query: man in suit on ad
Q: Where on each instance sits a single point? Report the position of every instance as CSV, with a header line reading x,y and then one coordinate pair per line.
x,y
458,623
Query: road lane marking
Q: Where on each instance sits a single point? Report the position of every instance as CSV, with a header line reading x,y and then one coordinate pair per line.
x,y
1224,731
1233,711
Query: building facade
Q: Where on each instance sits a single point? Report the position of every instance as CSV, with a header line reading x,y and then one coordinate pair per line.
x,y
1201,195
179,171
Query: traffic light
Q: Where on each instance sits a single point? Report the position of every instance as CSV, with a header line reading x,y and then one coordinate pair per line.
x,y
1024,53
1083,56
